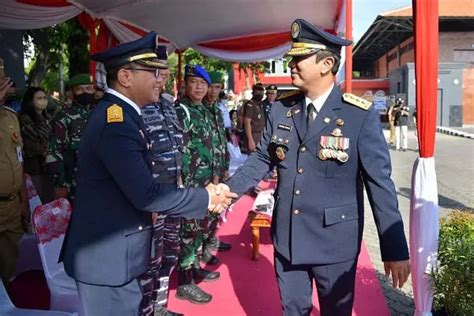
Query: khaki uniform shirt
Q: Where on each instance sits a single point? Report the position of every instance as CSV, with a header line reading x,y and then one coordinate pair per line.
x,y
253,110
11,170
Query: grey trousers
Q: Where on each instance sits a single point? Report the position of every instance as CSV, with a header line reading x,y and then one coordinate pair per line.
x,y
99,300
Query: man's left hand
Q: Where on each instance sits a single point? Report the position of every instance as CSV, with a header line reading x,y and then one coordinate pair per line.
x,y
400,270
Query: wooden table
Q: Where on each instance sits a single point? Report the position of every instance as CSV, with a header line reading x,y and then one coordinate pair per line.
x,y
256,221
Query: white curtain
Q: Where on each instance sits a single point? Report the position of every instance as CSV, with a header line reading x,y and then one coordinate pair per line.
x,y
20,16
424,231
244,56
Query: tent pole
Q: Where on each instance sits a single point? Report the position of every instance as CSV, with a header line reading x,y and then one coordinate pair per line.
x,y
348,75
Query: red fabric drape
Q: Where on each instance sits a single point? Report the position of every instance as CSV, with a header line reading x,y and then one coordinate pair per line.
x,y
104,37
425,18
250,43
46,3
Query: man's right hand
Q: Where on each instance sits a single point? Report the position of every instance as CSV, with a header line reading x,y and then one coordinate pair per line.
x,y
60,192
251,144
221,197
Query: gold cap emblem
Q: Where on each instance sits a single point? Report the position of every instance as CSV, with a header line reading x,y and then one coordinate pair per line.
x,y
295,30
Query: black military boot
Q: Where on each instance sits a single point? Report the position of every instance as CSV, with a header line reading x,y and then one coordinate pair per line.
x,y
203,275
163,311
216,244
187,290
208,258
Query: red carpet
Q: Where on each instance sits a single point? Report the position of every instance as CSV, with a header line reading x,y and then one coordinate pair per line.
x,y
248,287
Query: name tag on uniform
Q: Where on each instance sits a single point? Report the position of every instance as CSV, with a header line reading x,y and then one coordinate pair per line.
x,y
284,127
19,154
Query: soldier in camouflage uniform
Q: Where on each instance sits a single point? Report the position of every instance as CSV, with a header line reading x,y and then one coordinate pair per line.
x,y
221,155
67,128
166,136
199,168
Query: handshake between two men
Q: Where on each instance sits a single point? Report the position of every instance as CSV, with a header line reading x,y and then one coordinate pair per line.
x,y
220,197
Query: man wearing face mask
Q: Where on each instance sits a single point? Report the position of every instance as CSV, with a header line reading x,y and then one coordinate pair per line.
x,y
254,117
67,129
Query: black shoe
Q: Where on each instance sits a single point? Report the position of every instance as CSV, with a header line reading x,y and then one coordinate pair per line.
x,y
163,311
208,258
203,275
192,293
216,244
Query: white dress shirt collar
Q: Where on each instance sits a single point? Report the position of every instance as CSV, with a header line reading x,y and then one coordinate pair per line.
x,y
319,101
124,98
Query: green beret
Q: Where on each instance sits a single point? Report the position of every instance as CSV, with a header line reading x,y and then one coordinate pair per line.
x,y
78,80
216,77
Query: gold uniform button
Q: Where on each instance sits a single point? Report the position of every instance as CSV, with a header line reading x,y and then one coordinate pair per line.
x,y
343,216
140,227
300,170
296,212
152,163
303,149
297,192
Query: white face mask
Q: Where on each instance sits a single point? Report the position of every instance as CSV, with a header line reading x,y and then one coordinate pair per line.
x,y
41,104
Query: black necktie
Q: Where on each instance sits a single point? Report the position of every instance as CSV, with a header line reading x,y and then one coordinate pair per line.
x,y
311,113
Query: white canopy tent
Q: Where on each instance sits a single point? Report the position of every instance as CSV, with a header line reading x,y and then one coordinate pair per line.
x,y
236,30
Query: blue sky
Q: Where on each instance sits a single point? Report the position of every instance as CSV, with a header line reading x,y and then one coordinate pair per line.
x,y
365,12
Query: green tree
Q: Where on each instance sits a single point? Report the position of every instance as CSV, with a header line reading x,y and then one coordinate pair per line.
x,y
63,45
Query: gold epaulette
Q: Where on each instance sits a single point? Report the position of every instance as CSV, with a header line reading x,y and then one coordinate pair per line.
x,y
288,94
357,101
114,114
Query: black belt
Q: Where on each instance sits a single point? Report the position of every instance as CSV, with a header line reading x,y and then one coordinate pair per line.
x,y
6,198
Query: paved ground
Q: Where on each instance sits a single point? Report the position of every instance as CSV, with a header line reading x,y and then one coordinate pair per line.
x,y
468,129
455,173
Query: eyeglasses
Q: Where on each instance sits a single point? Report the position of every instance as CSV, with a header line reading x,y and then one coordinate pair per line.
x,y
157,71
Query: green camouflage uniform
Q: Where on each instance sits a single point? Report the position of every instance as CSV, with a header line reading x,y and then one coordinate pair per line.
x,y
221,155
67,128
199,167
221,152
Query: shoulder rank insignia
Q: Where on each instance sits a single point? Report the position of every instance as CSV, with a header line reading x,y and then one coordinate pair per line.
x,y
114,114
357,101
288,94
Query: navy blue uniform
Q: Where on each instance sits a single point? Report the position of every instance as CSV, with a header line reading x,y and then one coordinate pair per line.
x,y
109,234
319,208
166,137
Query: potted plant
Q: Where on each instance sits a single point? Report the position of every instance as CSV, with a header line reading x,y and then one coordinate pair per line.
x,y
453,277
